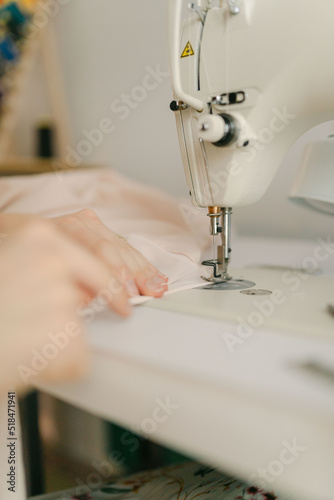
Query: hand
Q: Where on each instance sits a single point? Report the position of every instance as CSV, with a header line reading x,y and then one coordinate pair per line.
x,y
130,266
44,277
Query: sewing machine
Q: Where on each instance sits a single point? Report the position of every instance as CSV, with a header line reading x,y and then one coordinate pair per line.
x,y
249,78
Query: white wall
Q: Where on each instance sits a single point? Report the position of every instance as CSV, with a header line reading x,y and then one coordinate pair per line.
x,y
106,47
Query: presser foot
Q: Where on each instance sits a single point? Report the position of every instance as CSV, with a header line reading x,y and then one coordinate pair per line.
x,y
220,280
219,275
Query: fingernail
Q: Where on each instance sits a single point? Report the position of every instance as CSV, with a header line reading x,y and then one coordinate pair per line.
x,y
162,275
161,289
155,282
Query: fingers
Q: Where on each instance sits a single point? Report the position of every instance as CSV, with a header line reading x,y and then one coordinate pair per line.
x,y
132,268
89,274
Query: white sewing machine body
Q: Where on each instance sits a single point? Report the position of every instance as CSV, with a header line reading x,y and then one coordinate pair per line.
x,y
269,68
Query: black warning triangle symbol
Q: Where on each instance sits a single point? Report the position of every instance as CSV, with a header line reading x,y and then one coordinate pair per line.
x,y
188,51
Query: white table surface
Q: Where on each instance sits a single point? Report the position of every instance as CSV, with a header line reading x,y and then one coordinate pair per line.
x,y
236,410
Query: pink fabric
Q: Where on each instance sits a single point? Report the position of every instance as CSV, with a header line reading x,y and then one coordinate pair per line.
x,y
170,233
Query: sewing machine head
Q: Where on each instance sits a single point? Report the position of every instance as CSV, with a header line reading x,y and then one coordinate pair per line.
x,y
249,77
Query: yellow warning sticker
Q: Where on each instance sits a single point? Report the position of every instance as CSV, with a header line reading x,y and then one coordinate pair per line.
x,y
188,51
